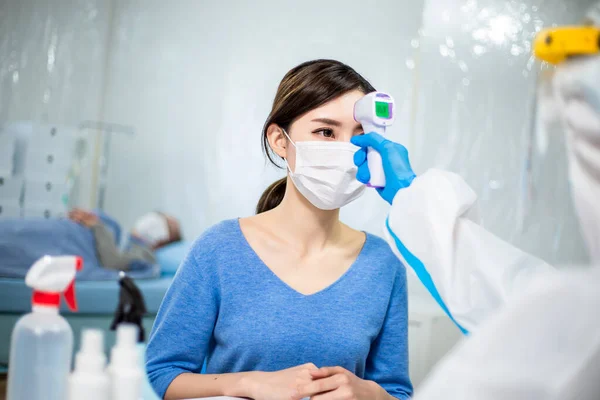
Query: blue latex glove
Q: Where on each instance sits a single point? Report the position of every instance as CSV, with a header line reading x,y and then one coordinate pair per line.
x,y
394,156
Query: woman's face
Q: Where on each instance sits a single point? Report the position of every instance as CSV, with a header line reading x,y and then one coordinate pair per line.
x,y
333,121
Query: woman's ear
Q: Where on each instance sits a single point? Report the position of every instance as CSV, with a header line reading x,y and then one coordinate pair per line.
x,y
277,140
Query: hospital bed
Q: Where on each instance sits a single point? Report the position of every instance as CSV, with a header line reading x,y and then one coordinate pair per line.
x,y
97,300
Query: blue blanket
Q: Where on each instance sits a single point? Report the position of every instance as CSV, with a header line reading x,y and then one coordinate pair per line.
x,y
23,241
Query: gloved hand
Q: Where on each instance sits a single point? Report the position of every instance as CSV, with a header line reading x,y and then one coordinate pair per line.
x,y
394,156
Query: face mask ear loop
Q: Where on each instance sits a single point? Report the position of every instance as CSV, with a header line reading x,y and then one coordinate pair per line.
x,y
289,138
293,144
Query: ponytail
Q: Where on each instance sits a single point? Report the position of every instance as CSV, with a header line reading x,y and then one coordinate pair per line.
x,y
272,197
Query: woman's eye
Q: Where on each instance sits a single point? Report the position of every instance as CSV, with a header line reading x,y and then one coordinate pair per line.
x,y
326,133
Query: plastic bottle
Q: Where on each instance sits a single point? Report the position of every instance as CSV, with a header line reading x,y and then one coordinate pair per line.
x,y
89,380
131,309
42,341
125,370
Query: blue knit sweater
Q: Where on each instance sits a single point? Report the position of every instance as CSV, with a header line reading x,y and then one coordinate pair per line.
x,y
227,307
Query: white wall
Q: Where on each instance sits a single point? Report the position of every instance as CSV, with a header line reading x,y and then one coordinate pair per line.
x,y
197,80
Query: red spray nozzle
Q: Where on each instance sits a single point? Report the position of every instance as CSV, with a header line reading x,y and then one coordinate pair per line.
x,y
69,294
52,276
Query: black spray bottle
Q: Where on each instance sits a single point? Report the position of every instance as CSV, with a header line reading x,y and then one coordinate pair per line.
x,y
131,308
129,316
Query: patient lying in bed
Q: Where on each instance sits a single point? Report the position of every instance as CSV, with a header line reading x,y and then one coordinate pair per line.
x,y
93,236
152,231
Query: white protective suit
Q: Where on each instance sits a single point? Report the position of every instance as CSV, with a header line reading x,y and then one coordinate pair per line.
x,y
534,331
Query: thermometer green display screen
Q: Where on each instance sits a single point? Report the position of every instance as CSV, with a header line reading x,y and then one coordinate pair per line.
x,y
382,109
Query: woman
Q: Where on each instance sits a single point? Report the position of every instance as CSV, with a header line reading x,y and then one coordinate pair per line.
x,y
268,299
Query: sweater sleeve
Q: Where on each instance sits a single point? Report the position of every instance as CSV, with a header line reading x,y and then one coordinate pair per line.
x,y
387,363
180,338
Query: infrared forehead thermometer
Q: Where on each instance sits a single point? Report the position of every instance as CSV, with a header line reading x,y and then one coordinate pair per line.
x,y
375,112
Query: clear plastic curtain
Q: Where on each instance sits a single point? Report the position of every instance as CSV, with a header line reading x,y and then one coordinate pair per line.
x,y
479,114
52,77
465,82
52,59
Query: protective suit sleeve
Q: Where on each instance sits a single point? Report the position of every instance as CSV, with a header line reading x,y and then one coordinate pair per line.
x,y
468,271
544,344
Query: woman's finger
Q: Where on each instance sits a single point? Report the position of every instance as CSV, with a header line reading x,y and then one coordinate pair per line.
x,y
318,374
316,387
327,371
333,395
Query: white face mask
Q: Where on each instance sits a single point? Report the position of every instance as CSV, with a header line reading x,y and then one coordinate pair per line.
x,y
152,228
325,173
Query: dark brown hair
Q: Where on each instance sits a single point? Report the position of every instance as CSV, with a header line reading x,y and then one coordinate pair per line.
x,y
174,231
302,89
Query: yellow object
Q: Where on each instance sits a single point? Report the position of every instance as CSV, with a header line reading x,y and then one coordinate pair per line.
x,y
554,45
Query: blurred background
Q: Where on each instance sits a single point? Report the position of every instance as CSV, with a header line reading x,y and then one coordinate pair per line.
x,y
146,104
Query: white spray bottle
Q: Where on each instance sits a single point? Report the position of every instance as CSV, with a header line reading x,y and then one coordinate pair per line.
x,y
89,380
125,369
42,341
375,112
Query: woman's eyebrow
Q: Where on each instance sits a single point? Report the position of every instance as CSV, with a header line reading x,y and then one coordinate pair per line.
x,y
328,121
334,122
